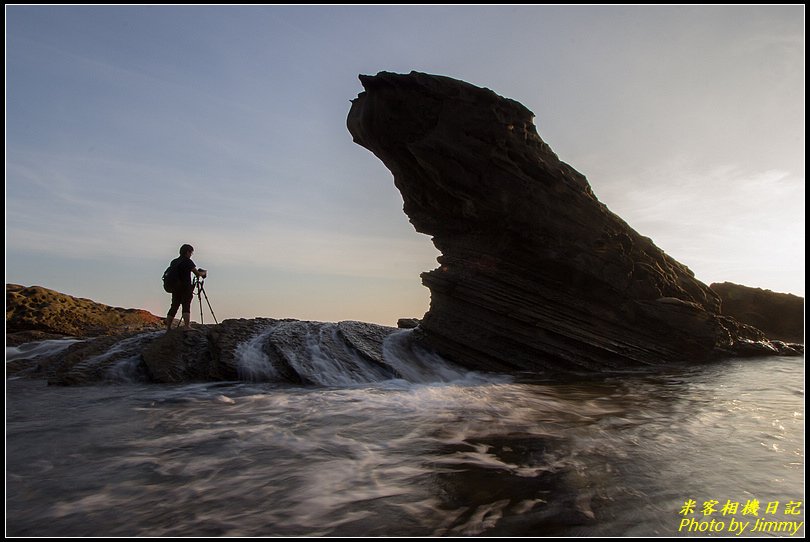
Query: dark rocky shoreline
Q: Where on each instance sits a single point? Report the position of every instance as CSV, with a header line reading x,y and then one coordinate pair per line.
x,y
536,275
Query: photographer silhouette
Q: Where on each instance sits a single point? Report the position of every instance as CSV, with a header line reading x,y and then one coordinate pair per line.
x,y
177,280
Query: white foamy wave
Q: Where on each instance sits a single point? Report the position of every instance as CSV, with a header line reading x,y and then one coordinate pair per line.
x,y
252,364
129,345
326,359
319,353
590,458
40,348
416,364
122,362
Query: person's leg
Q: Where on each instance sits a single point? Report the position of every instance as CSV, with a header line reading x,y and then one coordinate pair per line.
x,y
176,300
187,308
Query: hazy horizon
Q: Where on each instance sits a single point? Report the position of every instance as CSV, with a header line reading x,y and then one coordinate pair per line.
x,y
131,130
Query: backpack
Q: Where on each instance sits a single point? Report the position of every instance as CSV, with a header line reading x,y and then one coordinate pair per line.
x,y
170,278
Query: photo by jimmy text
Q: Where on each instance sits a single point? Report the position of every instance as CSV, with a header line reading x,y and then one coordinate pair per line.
x,y
772,517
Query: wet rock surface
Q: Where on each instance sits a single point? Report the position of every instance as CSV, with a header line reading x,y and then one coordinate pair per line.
x,y
261,349
103,359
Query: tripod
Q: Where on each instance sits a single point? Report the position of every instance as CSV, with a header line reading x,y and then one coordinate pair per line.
x,y
198,288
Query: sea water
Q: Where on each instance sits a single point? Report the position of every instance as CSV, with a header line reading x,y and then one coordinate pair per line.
x,y
439,452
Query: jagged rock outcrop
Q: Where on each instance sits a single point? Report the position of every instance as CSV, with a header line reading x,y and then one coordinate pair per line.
x,y
260,349
35,313
535,272
779,316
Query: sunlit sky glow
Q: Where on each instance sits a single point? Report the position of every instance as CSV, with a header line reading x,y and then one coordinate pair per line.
x,y
133,130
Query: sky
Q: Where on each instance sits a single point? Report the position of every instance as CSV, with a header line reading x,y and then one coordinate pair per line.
x,y
132,130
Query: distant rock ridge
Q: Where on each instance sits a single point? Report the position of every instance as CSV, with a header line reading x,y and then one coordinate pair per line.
x,y
535,272
779,316
35,312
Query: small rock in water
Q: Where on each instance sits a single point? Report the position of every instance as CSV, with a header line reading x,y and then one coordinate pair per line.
x,y
407,323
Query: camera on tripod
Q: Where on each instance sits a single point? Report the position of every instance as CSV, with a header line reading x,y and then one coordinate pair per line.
x,y
198,289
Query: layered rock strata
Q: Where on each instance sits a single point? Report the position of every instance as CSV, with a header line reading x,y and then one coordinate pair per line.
x,y
535,273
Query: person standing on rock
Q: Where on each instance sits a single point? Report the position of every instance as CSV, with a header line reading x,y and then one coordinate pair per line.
x,y
177,280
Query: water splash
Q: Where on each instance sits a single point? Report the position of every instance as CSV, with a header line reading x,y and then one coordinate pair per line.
x,y
252,363
417,364
322,356
37,349
594,458
319,353
123,362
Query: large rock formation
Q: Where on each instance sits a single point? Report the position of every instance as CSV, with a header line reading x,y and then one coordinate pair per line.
x,y
535,272
35,313
779,316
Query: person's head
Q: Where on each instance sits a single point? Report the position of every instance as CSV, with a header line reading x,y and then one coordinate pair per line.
x,y
186,250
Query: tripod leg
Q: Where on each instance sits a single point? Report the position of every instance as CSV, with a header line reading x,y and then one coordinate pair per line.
x,y
202,321
209,305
